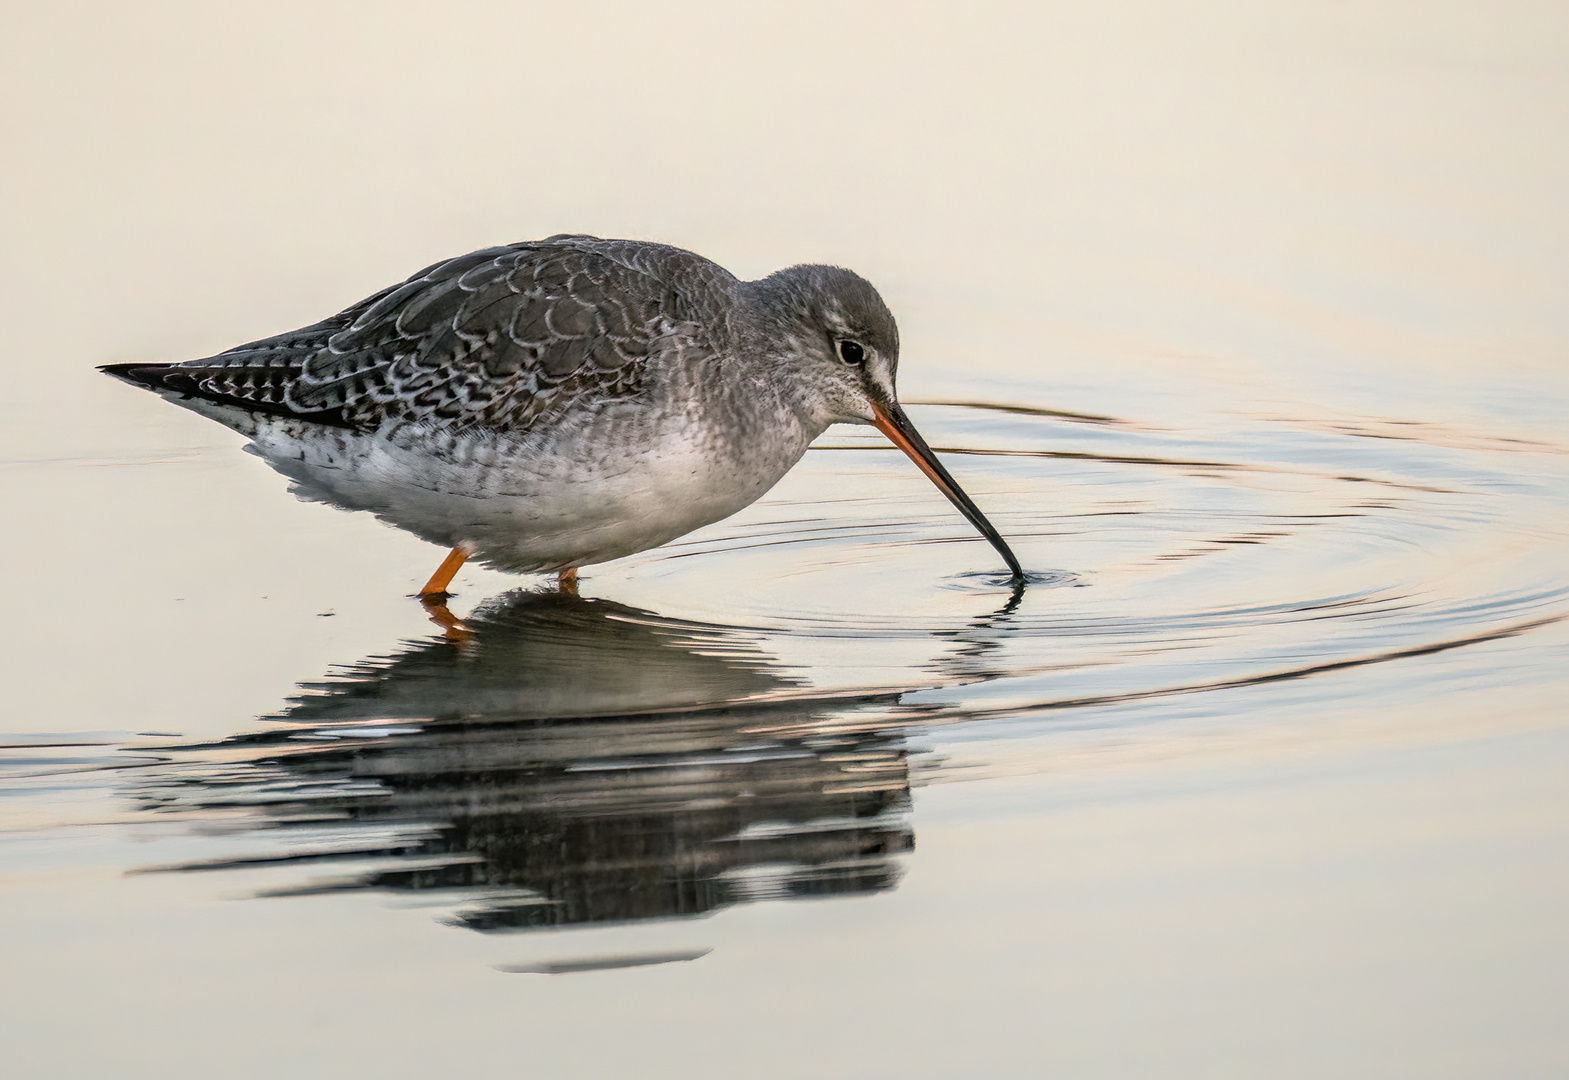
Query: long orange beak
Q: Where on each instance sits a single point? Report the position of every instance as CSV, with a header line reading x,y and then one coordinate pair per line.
x,y
892,422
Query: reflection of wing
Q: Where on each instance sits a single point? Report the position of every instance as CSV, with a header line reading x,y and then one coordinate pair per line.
x,y
547,655
631,808
492,338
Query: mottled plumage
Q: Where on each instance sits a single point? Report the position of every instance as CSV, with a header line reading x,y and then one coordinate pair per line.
x,y
551,404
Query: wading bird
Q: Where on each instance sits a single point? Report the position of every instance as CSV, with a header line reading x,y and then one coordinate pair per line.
x,y
552,404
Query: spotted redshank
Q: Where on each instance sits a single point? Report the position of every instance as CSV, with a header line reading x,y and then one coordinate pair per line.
x,y
548,405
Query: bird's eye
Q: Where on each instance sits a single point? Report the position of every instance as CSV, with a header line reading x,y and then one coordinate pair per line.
x,y
851,352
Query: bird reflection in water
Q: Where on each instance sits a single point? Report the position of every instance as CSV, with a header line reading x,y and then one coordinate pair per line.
x,y
570,761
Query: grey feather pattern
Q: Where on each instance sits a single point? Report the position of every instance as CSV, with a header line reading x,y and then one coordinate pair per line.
x,y
491,339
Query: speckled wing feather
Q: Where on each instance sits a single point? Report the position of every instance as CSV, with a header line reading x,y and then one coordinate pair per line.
x,y
490,339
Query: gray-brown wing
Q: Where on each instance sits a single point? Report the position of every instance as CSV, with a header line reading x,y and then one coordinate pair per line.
x,y
492,338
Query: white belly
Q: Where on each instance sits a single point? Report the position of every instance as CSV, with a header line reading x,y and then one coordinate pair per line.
x,y
553,503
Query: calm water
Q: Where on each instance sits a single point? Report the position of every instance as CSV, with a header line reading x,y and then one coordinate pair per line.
x,y
1246,330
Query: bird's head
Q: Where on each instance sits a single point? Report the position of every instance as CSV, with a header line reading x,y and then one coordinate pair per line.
x,y
835,339
837,343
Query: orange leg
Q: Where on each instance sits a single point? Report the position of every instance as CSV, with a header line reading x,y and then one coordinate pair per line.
x,y
566,581
437,585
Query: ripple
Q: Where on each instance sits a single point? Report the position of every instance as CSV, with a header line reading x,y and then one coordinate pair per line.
x,y
1241,547
994,581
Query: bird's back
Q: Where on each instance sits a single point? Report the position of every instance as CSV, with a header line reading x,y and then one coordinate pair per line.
x,y
491,340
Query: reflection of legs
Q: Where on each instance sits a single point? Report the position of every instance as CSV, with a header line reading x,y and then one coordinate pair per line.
x,y
566,581
437,585
435,606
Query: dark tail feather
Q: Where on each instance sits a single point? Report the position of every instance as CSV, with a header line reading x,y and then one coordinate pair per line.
x,y
152,376
186,381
